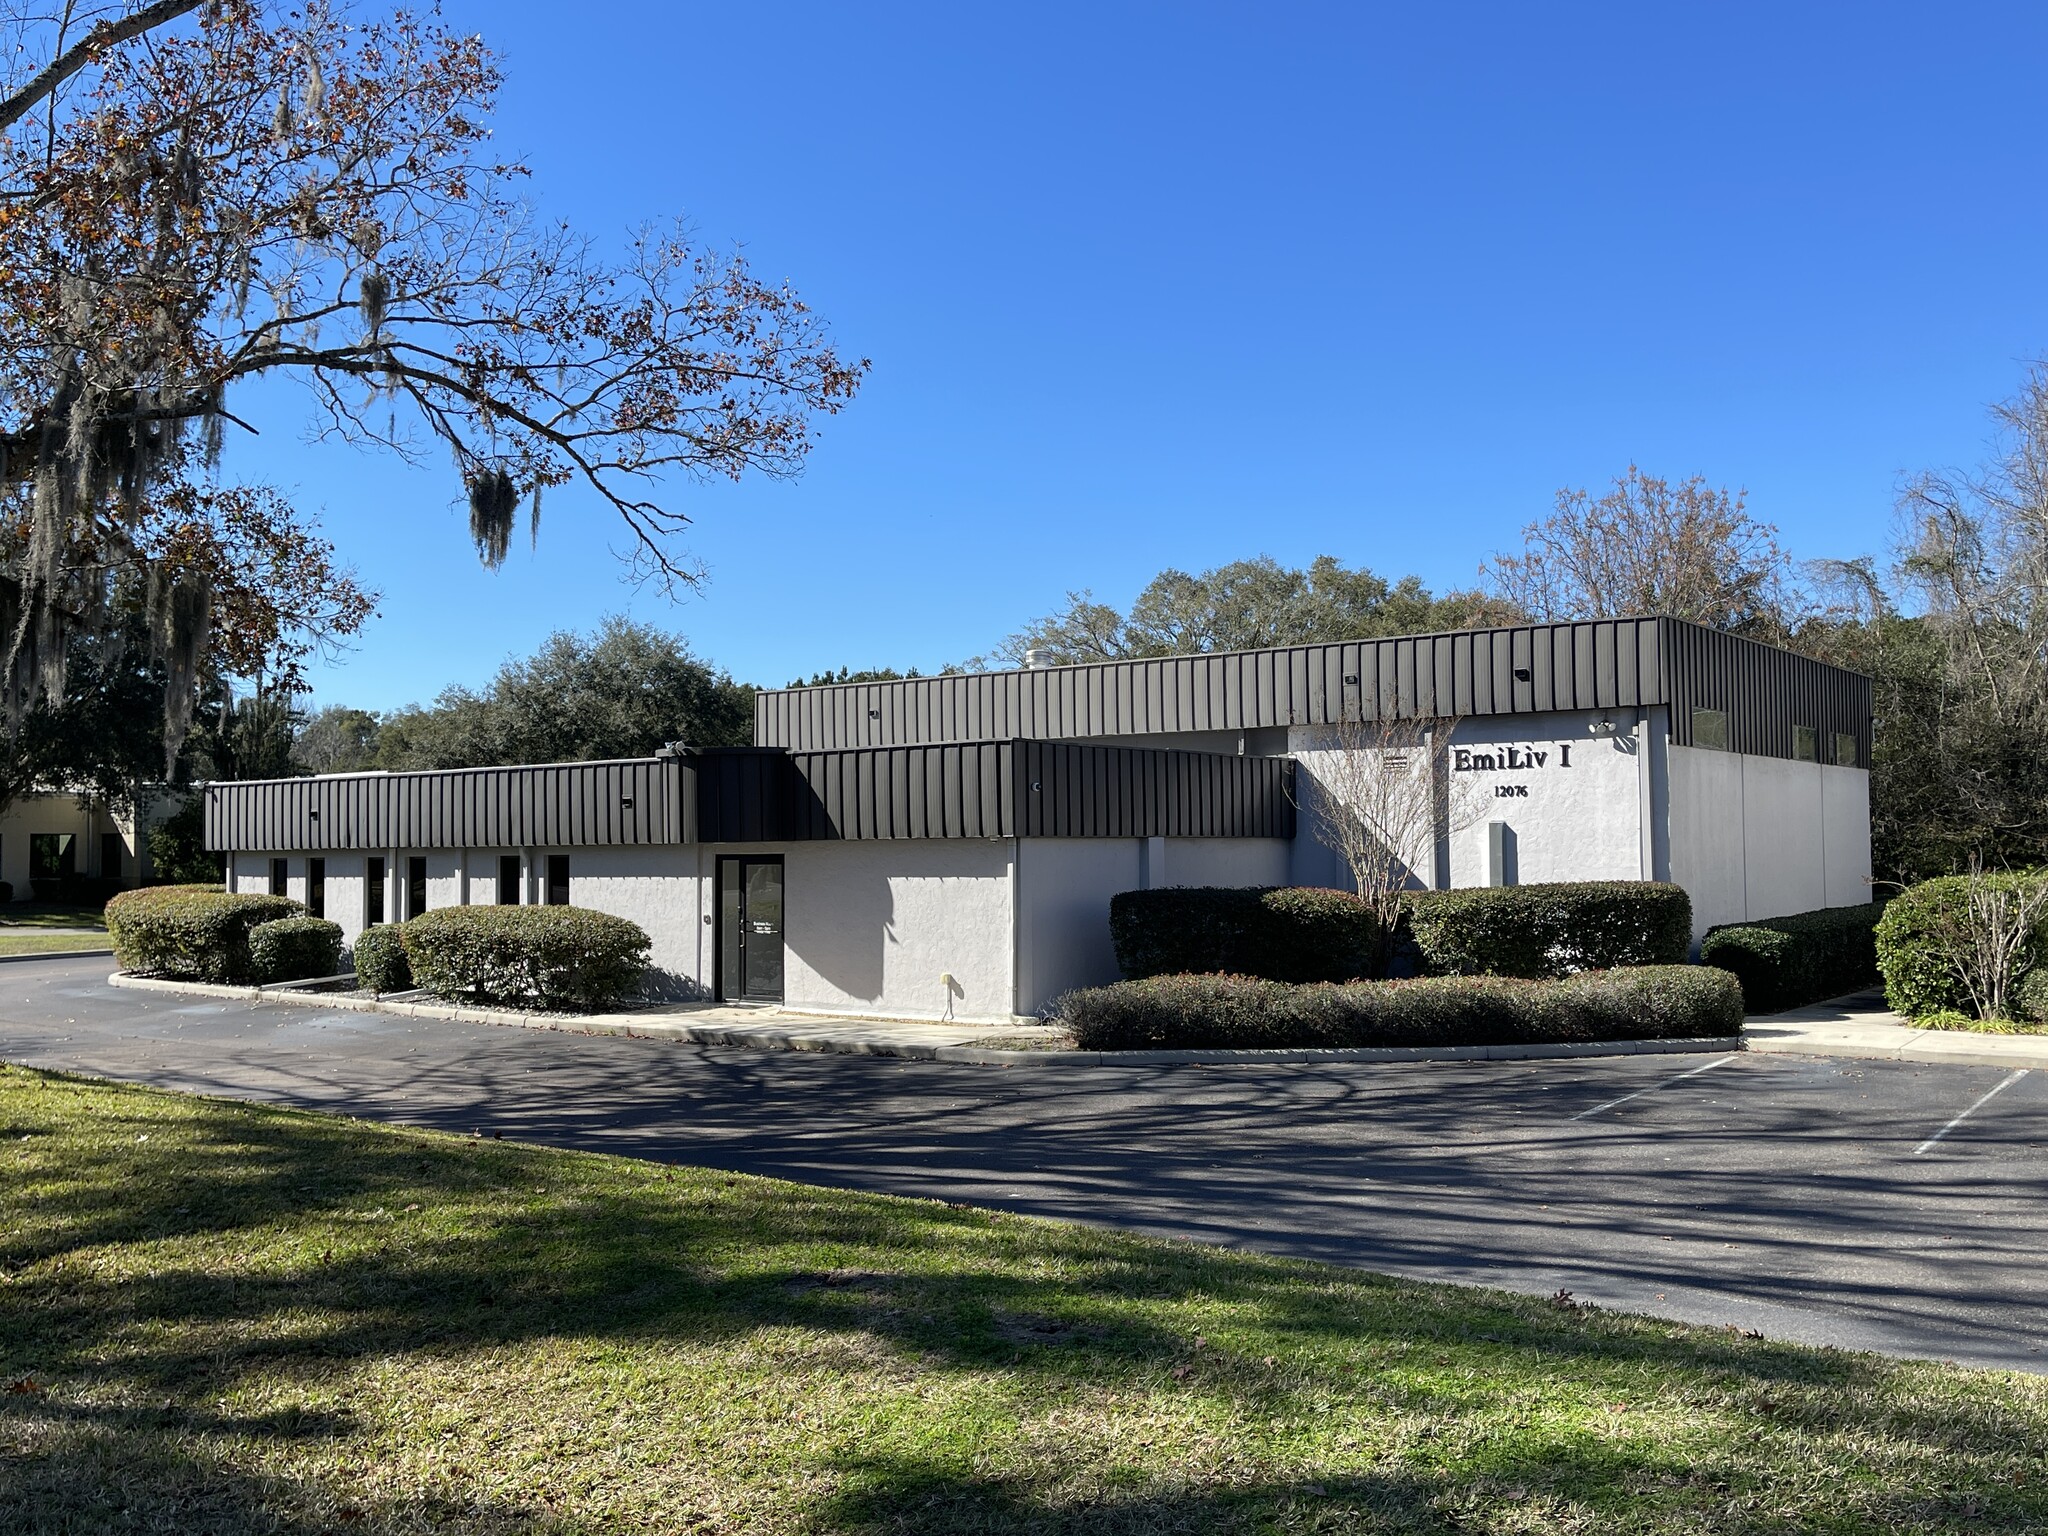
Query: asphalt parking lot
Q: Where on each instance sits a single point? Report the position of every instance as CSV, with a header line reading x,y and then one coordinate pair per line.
x,y
1878,1205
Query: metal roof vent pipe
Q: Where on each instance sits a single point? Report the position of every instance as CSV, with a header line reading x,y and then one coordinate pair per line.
x,y
1037,659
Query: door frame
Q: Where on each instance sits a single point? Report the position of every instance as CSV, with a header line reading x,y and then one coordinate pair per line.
x,y
718,923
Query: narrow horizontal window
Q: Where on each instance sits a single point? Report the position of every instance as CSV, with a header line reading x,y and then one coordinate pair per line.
x,y
1710,729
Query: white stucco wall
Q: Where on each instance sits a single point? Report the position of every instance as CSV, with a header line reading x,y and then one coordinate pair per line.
x,y
873,927
1757,837
1219,861
1707,840
1316,751
1063,890
1845,834
1572,801
665,890
1783,866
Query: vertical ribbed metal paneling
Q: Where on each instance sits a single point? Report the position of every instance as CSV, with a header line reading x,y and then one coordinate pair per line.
x,y
1516,670
1603,663
1765,692
555,804
747,795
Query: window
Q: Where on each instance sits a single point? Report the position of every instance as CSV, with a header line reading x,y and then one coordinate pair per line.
x,y
52,855
508,879
1710,729
113,856
373,892
1806,743
1845,749
415,886
316,887
278,869
558,879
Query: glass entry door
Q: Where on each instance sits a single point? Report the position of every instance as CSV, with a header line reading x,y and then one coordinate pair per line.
x,y
750,930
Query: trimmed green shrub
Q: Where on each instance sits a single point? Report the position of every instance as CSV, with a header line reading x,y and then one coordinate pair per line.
x,y
532,957
1917,979
295,948
1787,962
380,960
1283,933
1657,1002
1547,931
195,932
2030,996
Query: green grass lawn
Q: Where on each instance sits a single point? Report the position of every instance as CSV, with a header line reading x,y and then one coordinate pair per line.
x,y
49,943
219,1319
45,914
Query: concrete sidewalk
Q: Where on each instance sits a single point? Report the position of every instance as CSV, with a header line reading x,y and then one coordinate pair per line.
x,y
1862,1026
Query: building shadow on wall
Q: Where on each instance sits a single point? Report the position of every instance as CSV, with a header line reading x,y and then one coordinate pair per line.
x,y
841,928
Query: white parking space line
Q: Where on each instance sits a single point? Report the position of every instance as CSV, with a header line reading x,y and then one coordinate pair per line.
x,y
1990,1094
1654,1088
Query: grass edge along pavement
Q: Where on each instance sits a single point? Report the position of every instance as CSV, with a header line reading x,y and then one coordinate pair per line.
x,y
32,943
234,1318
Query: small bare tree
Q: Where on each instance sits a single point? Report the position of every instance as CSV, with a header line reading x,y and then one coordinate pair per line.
x,y
1381,805
1985,943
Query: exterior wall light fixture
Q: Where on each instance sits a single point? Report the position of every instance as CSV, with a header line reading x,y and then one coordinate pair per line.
x,y
1602,727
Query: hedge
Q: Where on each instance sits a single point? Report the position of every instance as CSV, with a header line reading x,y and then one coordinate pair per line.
x,y
295,948
1547,931
380,960
1658,1002
1287,933
196,932
547,957
1787,962
1917,980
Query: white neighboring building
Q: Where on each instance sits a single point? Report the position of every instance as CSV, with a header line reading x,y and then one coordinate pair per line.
x,y
53,834
947,847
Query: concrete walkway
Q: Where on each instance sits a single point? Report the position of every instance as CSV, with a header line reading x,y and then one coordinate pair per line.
x,y
763,1027
1862,1026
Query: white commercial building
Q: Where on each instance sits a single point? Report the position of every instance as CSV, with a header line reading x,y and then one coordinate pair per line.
x,y
947,846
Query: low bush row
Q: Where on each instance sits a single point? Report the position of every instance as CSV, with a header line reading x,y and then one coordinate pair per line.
x,y
1787,962
1297,935
193,932
544,957
528,957
1548,931
295,949
1661,1002
1289,933
381,965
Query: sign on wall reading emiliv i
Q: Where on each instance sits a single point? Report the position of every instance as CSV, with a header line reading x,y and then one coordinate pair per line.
x,y
1475,760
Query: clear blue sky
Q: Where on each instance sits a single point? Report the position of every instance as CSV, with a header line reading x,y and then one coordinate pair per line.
x,y
1176,284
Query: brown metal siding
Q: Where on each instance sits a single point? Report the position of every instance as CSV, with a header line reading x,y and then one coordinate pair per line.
x,y
1592,664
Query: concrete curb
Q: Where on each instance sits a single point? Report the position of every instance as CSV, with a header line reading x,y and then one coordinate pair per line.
x,y
763,1037
56,954
1932,1047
